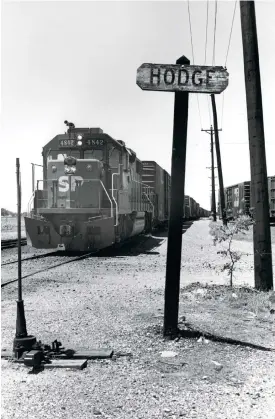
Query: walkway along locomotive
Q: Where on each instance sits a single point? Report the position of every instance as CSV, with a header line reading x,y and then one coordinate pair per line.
x,y
95,193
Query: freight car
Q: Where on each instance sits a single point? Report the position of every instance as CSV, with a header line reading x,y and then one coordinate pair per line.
x,y
191,208
95,192
238,199
159,182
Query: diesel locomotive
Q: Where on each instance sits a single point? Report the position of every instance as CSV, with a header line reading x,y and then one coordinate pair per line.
x,y
95,192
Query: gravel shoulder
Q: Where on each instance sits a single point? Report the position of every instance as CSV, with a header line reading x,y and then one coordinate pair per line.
x,y
117,302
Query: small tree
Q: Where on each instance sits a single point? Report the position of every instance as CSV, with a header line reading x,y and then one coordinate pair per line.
x,y
222,233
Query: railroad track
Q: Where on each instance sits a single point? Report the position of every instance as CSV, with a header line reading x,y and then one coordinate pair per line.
x,y
4,284
9,244
44,255
137,242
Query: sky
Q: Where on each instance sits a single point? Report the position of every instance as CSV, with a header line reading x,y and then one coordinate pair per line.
x,y
77,61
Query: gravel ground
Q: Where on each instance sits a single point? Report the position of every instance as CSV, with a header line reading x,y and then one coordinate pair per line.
x,y
117,302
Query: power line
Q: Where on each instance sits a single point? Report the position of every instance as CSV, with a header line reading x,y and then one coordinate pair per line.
x,y
230,33
222,107
214,45
199,109
205,53
208,105
190,27
227,52
206,31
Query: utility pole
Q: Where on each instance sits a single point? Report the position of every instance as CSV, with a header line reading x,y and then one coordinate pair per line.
x,y
259,184
213,201
213,197
219,162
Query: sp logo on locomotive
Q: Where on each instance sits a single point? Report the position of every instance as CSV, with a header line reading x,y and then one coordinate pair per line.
x,y
63,183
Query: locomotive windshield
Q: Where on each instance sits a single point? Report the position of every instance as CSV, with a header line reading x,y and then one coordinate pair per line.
x,y
88,154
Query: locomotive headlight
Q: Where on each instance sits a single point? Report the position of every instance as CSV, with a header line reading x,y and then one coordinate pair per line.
x,y
69,169
79,142
79,137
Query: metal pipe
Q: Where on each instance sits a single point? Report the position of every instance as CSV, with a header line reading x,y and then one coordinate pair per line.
x,y
18,180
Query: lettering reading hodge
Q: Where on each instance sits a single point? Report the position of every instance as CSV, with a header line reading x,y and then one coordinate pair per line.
x,y
181,77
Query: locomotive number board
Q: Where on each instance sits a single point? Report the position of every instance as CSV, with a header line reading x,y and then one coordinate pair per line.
x,y
85,143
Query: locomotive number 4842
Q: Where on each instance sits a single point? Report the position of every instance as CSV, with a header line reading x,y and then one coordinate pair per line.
x,y
74,143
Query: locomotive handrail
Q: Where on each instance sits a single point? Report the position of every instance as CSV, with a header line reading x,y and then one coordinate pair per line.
x,y
30,202
112,210
144,184
146,193
84,180
150,202
115,174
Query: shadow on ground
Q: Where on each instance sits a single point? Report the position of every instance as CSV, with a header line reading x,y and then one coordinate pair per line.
x,y
164,233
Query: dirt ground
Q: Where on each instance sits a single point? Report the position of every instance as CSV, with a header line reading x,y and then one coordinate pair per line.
x,y
117,301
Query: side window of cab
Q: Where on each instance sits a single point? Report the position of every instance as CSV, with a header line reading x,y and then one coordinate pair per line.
x,y
114,157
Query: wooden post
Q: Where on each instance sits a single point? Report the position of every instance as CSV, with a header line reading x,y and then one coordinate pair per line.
x,y
219,162
259,183
173,264
213,176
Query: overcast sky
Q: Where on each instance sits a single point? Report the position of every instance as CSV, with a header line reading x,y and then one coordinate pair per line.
x,y
78,60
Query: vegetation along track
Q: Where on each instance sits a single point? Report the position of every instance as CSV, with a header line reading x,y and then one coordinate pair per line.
x,y
10,243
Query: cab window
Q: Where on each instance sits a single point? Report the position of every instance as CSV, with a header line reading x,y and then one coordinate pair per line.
x,y
73,153
93,154
52,156
114,157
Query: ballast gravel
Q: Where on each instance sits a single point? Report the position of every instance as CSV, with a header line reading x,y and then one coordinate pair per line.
x,y
117,302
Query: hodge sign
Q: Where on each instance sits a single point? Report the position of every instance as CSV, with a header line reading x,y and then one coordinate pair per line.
x,y
185,78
